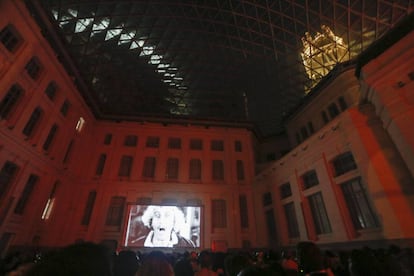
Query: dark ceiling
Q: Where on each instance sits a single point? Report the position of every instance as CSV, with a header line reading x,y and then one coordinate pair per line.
x,y
227,60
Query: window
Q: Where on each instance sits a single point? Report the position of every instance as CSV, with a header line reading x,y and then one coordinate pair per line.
x,y
285,190
101,164
115,211
68,152
50,137
267,199
310,179
108,139
240,170
172,168
217,145
218,170
219,213
7,174
80,124
271,156
51,90
33,68
10,100
125,166
319,215
325,117
33,121
342,103
195,169
26,193
298,139
292,223
310,127
149,167
153,142
271,227
344,163
10,39
131,141
237,146
244,213
5,240
47,211
362,214
196,144
304,133
333,110
174,143
65,108
90,202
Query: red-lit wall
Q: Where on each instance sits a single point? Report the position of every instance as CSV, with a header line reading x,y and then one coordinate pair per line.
x,y
70,161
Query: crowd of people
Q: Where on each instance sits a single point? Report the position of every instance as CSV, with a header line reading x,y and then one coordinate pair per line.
x,y
90,259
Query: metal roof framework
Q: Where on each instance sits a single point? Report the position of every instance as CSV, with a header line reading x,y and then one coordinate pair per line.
x,y
228,60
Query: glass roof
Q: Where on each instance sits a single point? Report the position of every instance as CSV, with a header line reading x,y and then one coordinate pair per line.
x,y
236,61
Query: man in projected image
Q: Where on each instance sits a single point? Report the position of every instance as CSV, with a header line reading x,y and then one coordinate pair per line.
x,y
165,223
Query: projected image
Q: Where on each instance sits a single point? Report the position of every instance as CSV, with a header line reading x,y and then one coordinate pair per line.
x,y
163,226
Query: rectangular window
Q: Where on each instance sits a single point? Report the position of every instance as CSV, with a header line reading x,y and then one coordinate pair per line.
x,y
304,133
298,139
244,213
333,110
217,145
5,240
10,38
10,100
80,124
285,190
108,139
342,103
174,143
271,156
7,174
219,213
51,90
267,199
310,128
319,215
153,142
240,170
195,169
344,163
148,171
33,121
101,164
65,108
310,179
172,168
362,214
26,193
47,211
50,137
125,166
68,152
115,211
87,213
196,144
218,170
131,141
34,68
271,226
292,223
237,146
325,117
